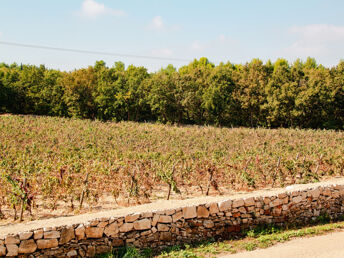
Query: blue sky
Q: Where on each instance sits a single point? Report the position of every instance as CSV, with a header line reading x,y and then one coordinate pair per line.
x,y
234,31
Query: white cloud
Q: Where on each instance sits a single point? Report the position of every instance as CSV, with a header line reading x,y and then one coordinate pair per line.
x,y
93,9
157,23
325,42
198,46
166,52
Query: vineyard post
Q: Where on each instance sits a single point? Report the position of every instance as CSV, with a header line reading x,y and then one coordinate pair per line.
x,y
211,173
23,199
170,183
84,190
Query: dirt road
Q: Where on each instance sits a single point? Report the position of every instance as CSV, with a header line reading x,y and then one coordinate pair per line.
x,y
326,246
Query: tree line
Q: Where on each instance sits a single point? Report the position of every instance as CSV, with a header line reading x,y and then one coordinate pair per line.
x,y
279,94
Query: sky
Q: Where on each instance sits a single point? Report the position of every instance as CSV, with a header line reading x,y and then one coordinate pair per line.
x,y
221,30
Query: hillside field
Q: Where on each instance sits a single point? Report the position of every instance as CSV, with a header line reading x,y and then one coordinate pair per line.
x,y
54,166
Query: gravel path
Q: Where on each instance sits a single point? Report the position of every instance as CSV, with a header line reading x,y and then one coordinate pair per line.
x,y
326,246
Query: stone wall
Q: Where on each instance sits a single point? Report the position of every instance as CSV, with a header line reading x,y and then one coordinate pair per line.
x,y
155,229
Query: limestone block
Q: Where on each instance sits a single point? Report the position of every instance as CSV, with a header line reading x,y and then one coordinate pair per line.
x,y
91,251
51,234
147,215
47,243
189,212
155,220
117,242
177,216
111,230
25,235
67,234
165,236
208,224
27,246
238,203
266,200
12,240
202,212
94,232
2,250
213,208
102,224
126,227
242,209
72,253
12,250
163,227
143,224
38,234
80,232
315,193
165,219
276,202
170,212
102,249
225,205
249,201
297,199
131,217
282,195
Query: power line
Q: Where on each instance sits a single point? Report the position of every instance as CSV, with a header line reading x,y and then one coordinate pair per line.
x,y
90,52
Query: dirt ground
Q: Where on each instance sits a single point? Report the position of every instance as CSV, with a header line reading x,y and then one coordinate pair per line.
x,y
160,204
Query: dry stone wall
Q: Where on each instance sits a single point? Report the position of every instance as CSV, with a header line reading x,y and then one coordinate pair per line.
x,y
156,229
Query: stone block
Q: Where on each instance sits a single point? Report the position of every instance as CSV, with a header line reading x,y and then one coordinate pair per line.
x,y
249,201
117,242
155,220
27,246
72,253
238,203
170,212
25,235
315,193
38,234
177,216
67,234
102,224
297,199
80,232
111,230
2,250
165,219
208,224
12,240
102,249
213,208
225,205
91,251
51,234
126,227
202,212
12,250
163,227
165,236
189,212
47,243
131,217
94,232
143,224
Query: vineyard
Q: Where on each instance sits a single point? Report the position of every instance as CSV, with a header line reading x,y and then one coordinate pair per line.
x,y
70,165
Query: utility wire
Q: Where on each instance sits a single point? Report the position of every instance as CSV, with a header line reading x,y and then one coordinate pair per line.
x,y
14,44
